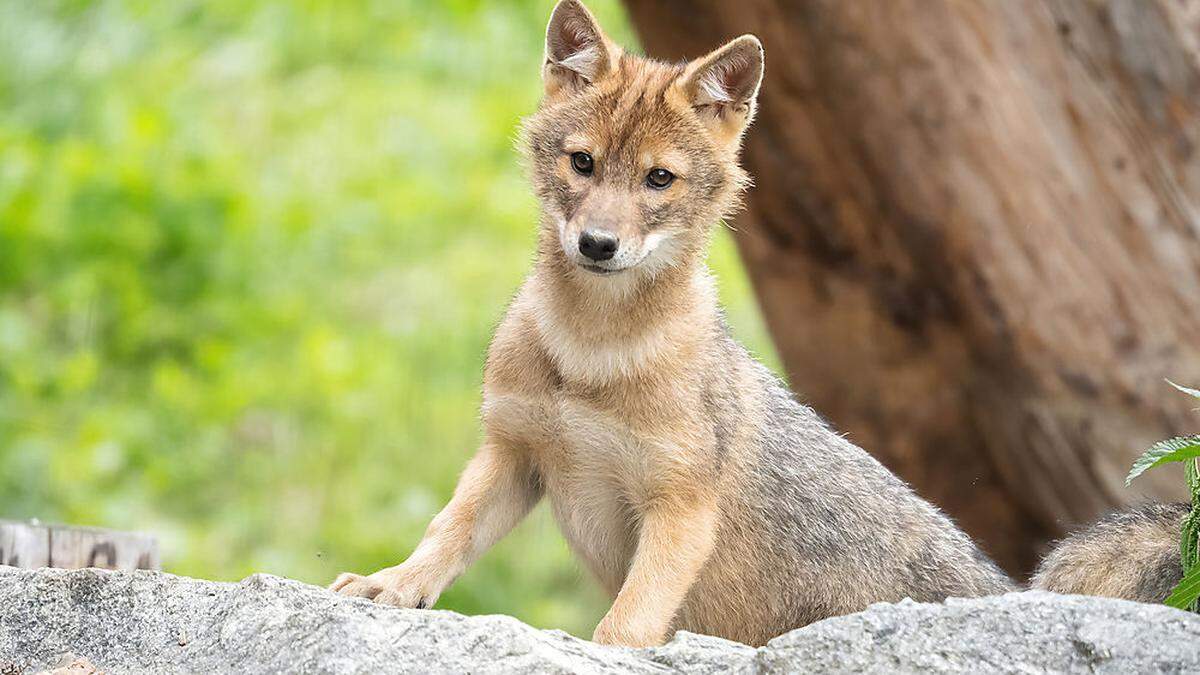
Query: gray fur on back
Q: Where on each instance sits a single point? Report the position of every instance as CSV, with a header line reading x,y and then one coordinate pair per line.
x,y
827,528
840,509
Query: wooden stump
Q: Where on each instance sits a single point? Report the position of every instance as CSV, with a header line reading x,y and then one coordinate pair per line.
x,y
32,545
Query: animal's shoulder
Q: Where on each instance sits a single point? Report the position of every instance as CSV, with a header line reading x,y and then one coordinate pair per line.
x,y
517,360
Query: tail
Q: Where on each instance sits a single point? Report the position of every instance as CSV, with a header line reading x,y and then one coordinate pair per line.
x,y
1132,555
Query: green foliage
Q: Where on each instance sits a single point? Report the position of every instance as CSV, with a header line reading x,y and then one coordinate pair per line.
x,y
1165,452
251,254
1186,594
1194,393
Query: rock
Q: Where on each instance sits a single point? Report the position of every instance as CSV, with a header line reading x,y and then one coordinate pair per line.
x,y
142,622
70,664
1030,632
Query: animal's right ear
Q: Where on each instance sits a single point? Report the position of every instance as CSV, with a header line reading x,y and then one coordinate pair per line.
x,y
577,52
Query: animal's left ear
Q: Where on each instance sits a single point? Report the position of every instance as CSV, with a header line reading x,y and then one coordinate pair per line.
x,y
723,86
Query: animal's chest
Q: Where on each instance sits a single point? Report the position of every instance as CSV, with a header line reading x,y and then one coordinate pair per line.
x,y
597,469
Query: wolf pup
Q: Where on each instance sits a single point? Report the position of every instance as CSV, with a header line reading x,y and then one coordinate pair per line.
x,y
686,477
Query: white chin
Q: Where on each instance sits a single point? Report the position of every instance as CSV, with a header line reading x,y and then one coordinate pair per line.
x,y
600,271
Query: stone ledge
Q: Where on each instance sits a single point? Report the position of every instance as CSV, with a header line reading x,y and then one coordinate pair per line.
x,y
142,622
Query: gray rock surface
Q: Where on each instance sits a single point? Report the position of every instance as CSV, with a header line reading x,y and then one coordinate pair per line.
x,y
150,622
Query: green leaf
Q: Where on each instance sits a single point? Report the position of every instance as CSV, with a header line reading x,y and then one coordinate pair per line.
x,y
1187,591
1187,390
1165,452
1188,539
1192,473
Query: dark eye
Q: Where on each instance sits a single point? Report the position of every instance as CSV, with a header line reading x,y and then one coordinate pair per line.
x,y
659,178
582,163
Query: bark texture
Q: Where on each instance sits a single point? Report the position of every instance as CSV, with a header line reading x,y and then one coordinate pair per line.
x,y
975,237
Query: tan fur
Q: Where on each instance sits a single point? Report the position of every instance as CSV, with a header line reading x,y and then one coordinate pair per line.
x,y
620,398
1132,554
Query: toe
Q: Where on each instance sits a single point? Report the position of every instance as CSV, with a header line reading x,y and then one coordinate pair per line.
x,y
361,589
393,599
400,597
344,579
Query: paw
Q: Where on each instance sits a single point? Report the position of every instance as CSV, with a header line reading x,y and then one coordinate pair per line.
x,y
385,588
608,633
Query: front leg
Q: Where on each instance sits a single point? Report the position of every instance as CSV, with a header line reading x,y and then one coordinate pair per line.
x,y
675,540
497,490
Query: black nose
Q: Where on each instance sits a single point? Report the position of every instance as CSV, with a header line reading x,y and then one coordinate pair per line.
x,y
598,244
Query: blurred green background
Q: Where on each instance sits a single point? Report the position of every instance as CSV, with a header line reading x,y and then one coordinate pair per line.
x,y
251,255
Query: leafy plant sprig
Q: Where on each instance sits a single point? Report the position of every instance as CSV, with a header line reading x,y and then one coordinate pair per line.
x,y
1186,449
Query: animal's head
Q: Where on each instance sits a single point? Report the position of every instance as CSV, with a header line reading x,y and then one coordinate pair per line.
x,y
634,160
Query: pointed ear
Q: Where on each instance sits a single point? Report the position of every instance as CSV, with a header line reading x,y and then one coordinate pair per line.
x,y
723,86
577,52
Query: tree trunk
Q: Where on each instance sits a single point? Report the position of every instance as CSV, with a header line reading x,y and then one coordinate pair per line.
x,y
975,237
